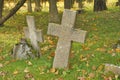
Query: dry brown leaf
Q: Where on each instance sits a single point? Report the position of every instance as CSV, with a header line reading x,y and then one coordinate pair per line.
x,y
52,70
6,62
100,68
57,72
15,72
42,73
111,51
29,76
1,58
91,75
59,79
94,68
87,64
101,49
83,58
26,70
85,47
117,50
52,54
81,78
29,63
2,73
49,57
1,65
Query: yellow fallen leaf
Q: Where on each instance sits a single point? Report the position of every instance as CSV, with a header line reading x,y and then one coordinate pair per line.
x,y
100,68
26,70
1,58
1,65
53,70
29,63
91,75
94,68
57,72
15,72
101,49
117,50
7,62
81,78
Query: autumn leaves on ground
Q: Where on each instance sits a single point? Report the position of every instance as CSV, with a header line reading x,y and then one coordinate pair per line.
x,y
86,61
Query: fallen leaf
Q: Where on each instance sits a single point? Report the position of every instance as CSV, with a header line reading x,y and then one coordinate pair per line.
x,y
81,78
6,62
59,79
29,76
100,68
1,58
91,75
101,49
84,72
57,72
42,73
52,54
1,65
26,70
2,73
117,50
15,72
52,70
29,63
83,58
85,47
87,64
94,68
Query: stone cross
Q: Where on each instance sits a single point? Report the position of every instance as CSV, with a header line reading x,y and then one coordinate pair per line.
x,y
66,34
33,34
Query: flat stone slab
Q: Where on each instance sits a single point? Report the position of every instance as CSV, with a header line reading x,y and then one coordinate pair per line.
x,y
66,34
112,68
34,35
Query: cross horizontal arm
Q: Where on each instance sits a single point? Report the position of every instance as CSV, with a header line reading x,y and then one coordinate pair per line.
x,y
78,36
54,29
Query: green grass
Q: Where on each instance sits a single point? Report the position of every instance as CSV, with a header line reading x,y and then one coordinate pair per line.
x,y
103,31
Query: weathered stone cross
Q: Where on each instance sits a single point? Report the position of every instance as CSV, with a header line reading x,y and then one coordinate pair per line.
x,y
66,34
33,34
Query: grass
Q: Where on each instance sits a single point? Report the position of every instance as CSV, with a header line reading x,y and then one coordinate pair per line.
x,y
86,60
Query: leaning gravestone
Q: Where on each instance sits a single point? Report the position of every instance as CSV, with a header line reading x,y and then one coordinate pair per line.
x,y
112,68
33,34
66,34
22,50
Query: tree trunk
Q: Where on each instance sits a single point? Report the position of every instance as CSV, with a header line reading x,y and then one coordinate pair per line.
x,y
29,5
118,3
100,5
1,8
67,4
53,11
12,11
37,6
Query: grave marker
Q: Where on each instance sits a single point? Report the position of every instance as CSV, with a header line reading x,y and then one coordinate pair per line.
x,y
112,68
66,34
33,34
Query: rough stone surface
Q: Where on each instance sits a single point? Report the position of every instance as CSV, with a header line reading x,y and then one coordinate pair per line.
x,y
33,34
22,50
66,34
112,68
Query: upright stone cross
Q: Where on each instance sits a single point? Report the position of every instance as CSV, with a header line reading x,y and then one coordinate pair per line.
x,y
66,34
33,34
